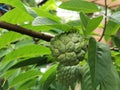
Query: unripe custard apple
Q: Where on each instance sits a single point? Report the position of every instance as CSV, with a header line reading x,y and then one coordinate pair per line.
x,y
69,48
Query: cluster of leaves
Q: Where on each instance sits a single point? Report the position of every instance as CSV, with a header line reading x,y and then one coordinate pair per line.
x,y
21,59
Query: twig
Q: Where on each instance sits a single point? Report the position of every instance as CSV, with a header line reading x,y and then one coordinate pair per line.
x,y
19,29
101,4
105,21
115,49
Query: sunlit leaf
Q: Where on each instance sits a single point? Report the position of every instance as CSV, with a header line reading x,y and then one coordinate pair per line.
x,y
49,5
31,3
24,42
18,16
43,21
4,40
5,51
31,11
79,5
43,13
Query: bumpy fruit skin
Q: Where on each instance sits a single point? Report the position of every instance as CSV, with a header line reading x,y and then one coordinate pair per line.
x,y
68,75
68,49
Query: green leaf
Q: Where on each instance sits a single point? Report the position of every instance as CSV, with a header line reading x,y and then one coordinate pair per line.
x,y
46,14
48,28
49,5
43,21
88,24
48,77
74,23
31,61
24,42
111,81
16,16
79,5
30,3
23,77
116,17
99,59
11,74
84,19
37,28
4,51
31,11
62,27
5,67
27,85
4,40
86,83
93,24
116,41
111,28
26,51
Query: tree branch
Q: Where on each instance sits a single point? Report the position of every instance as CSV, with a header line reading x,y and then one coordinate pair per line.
x,y
105,21
19,29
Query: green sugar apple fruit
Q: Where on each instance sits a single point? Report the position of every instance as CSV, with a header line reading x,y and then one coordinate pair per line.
x,y
68,75
69,48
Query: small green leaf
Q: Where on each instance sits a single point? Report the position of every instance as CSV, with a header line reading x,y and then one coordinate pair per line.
x,y
116,17
4,40
111,28
84,19
23,77
93,24
31,11
79,5
116,41
48,77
